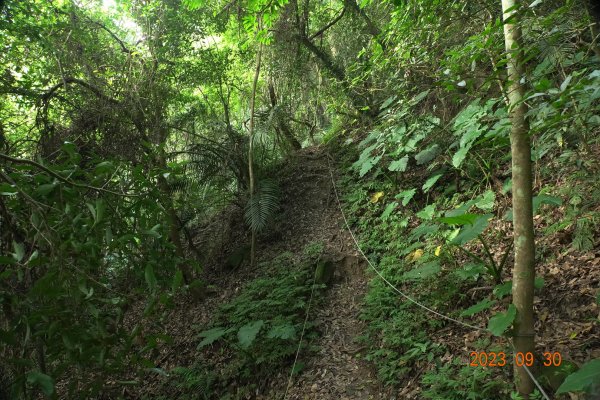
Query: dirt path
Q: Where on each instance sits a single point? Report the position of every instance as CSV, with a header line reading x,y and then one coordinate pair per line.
x,y
337,370
309,214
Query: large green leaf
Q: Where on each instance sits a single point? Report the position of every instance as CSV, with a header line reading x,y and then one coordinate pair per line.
x,y
482,305
545,199
43,381
459,156
428,154
427,213
368,164
399,165
463,219
470,232
7,189
500,322
248,332
406,196
423,271
583,379
45,189
486,201
430,182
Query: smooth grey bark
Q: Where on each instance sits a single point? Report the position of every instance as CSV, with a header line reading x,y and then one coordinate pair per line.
x,y
524,264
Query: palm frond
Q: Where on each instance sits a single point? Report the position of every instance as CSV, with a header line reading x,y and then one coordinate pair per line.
x,y
263,205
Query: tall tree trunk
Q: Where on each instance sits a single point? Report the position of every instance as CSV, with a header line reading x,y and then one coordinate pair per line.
x,y
251,149
524,265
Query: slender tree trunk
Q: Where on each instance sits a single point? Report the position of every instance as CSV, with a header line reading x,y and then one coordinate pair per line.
x,y
524,265
251,149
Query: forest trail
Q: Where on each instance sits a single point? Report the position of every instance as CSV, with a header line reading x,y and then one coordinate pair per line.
x,y
311,214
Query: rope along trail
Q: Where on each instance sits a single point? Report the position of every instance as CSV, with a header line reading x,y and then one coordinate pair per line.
x,y
407,297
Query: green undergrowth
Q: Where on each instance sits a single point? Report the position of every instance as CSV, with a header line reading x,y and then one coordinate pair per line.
x,y
256,333
435,243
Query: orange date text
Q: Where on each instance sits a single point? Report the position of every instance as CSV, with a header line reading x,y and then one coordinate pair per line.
x,y
499,359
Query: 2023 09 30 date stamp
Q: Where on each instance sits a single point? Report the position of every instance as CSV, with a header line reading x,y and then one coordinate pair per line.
x,y
500,359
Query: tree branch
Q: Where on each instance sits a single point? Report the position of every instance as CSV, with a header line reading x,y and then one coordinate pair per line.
x,y
329,25
61,178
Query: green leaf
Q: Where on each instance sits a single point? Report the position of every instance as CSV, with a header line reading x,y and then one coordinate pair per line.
x,y
104,167
565,83
7,189
469,233
486,202
406,196
423,271
212,335
399,165
177,280
368,165
430,182
388,210
45,189
545,199
428,154
248,332
471,271
539,282
45,382
153,232
423,229
503,289
500,322
4,260
427,213
100,207
286,331
463,219
417,99
460,156
583,379
19,251
482,305
388,102
150,277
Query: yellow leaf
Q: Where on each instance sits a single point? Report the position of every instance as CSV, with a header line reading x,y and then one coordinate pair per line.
x,y
573,335
417,254
438,250
375,198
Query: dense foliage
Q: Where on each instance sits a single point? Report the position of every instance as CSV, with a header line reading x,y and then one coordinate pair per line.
x,y
124,129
